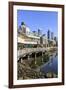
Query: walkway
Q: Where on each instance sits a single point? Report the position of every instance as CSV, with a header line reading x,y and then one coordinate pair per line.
x,y
32,50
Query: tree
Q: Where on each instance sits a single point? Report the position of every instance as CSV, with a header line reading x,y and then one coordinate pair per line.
x,y
22,23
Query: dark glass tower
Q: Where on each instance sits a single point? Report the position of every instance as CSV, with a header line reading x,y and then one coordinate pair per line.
x,y
48,34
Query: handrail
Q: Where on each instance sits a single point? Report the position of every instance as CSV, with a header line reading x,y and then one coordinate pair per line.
x,y
30,50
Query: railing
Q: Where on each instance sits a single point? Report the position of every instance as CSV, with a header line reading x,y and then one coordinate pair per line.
x,y
31,50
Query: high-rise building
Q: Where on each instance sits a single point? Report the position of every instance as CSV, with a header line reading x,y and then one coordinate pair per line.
x,y
48,34
39,32
55,38
43,40
52,35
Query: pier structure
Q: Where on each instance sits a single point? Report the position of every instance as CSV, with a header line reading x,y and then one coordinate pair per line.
x,y
29,51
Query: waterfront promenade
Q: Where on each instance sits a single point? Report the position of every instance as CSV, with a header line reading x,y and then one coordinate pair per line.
x,y
29,51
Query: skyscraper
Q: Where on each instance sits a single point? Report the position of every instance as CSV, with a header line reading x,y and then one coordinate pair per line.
x,y
55,38
52,35
39,32
48,34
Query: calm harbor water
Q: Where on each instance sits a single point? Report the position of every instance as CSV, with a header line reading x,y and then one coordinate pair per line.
x,y
51,65
45,66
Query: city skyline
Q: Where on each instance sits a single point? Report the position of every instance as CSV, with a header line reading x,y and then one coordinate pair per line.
x,y
33,19
37,45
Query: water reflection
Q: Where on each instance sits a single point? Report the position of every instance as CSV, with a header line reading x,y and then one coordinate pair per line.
x,y
51,66
41,66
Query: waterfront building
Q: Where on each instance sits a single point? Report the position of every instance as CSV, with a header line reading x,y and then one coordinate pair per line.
x,y
28,39
24,29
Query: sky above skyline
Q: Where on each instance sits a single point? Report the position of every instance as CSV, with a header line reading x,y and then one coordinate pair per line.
x,y
42,20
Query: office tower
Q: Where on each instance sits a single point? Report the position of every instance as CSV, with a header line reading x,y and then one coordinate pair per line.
x,y
39,32
52,35
48,34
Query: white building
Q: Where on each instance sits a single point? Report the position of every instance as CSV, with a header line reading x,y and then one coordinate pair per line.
x,y
24,29
26,38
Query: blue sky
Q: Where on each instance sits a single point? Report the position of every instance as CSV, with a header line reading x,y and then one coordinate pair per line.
x,y
43,20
